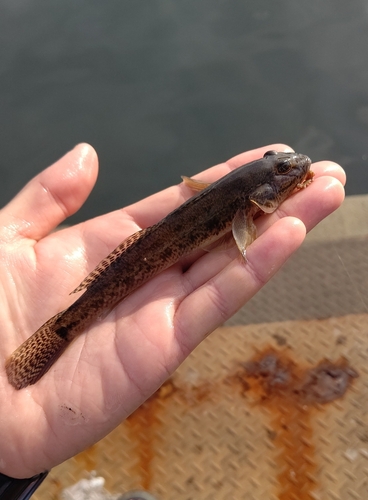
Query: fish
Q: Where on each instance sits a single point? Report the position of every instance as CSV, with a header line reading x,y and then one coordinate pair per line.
x,y
217,210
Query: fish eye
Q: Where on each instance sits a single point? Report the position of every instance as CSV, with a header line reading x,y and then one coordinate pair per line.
x,y
283,167
272,152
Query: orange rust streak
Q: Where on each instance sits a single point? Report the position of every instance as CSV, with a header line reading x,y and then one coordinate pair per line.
x,y
294,435
271,379
143,425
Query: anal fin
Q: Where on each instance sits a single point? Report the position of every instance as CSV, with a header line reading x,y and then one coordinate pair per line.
x,y
107,261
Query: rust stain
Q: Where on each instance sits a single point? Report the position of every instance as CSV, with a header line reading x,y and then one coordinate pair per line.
x,y
143,426
291,392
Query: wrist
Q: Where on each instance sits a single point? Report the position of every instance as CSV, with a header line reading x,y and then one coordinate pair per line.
x,y
19,489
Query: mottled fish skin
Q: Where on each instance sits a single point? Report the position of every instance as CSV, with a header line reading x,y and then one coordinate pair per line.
x,y
202,219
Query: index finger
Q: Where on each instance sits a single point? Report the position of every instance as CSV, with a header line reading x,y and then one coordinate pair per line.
x,y
152,209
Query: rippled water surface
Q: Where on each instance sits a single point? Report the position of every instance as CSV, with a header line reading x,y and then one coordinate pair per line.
x,y
164,88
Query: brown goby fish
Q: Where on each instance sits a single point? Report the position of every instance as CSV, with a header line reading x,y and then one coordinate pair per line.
x,y
229,204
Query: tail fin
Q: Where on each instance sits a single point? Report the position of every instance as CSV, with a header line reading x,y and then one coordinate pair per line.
x,y
37,354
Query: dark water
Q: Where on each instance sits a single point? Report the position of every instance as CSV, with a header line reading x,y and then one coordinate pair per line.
x,y
163,88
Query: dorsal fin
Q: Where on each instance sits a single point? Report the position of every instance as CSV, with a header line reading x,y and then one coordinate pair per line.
x,y
195,184
107,261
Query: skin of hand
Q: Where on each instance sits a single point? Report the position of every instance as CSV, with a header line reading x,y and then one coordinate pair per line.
x,y
109,370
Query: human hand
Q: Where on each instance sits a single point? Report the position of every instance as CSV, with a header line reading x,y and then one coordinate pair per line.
x,y
123,358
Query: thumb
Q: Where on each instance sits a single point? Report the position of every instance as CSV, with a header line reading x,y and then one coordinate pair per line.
x,y
50,197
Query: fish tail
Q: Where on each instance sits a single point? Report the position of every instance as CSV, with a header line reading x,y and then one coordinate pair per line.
x,y
36,355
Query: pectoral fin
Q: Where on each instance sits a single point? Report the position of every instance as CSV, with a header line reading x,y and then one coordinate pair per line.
x,y
264,198
244,230
195,184
267,206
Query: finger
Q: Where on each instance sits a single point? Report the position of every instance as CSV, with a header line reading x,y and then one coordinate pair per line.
x,y
322,197
220,297
52,196
331,169
152,209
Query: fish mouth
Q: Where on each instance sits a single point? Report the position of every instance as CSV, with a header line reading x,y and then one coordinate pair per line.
x,y
308,178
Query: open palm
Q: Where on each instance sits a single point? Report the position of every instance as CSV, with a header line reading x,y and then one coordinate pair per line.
x,y
114,366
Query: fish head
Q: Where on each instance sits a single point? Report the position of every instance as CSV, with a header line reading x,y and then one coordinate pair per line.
x,y
285,173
